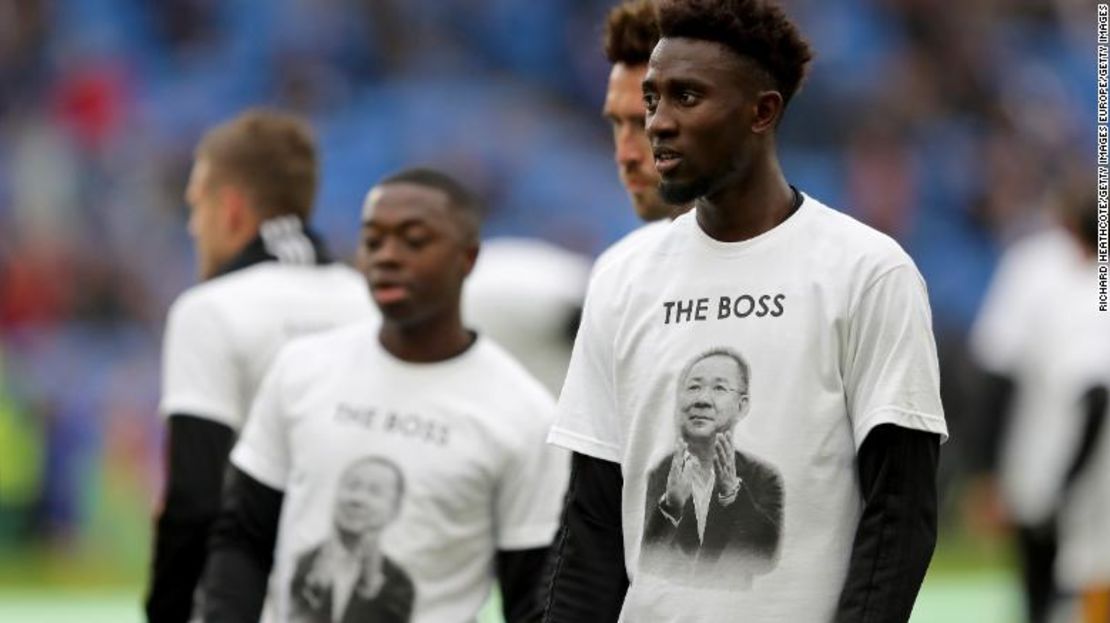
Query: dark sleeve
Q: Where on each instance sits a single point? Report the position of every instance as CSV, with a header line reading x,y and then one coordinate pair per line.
x,y
241,551
898,528
997,393
588,580
196,459
520,574
1094,412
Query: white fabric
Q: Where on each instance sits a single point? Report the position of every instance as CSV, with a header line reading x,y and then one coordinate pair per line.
x,y
221,335
833,321
525,294
629,242
1016,297
1044,425
467,434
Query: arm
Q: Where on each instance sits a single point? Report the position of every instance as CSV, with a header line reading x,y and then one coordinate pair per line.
x,y
897,530
588,580
520,575
196,460
241,551
1094,405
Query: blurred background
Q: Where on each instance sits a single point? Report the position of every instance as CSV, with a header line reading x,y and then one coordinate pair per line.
x,y
949,129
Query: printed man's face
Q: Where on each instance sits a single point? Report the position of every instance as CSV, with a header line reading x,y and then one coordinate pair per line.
x,y
367,499
711,398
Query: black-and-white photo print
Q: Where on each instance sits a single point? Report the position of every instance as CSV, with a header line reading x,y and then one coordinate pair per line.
x,y
348,578
713,512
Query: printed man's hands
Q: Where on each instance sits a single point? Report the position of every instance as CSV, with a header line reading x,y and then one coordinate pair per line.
x,y
724,463
679,485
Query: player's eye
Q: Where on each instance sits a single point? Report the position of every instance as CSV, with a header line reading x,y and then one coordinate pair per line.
x,y
687,98
651,100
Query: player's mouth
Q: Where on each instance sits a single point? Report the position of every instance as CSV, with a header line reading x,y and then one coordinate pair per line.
x,y
666,160
390,293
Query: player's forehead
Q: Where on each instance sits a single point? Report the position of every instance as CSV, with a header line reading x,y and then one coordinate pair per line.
x,y
624,94
397,201
692,60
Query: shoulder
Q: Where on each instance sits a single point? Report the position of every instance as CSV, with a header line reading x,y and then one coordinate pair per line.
x,y
318,353
516,386
757,467
850,241
630,242
395,574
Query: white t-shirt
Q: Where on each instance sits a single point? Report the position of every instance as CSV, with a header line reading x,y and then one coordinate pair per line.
x,y
629,242
221,335
831,321
1079,359
526,295
465,435
1015,298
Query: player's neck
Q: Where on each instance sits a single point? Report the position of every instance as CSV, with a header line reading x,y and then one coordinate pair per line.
x,y
748,208
436,339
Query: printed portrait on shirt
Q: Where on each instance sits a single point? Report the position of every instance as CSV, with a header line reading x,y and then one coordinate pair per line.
x,y
348,578
713,512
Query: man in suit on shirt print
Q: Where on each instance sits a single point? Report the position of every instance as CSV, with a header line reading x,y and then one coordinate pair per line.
x,y
709,507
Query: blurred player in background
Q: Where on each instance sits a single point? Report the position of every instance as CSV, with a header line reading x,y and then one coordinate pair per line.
x,y
266,278
1022,436
526,295
471,493
1072,346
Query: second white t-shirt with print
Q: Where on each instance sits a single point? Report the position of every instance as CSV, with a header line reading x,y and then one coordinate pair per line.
x,y
794,344
458,444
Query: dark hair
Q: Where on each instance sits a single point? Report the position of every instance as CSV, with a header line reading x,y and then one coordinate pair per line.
x,y
631,32
271,154
459,196
755,29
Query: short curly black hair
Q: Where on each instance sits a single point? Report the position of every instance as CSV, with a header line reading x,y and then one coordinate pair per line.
x,y
631,32
756,29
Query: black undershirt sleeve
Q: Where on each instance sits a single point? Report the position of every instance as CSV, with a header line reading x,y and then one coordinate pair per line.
x,y
241,550
898,528
997,396
196,459
520,575
588,580
1094,404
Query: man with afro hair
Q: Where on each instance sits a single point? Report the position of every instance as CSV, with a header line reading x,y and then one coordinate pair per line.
x,y
839,395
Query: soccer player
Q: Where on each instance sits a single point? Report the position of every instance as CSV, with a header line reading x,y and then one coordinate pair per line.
x,y
1065,370
453,426
840,397
1008,475
266,277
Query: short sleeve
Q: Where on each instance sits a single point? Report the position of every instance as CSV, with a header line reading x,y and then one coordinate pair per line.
x,y
891,374
263,449
586,420
530,493
199,369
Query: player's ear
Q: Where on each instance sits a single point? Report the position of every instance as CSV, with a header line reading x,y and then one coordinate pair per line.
x,y
470,256
768,108
744,404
